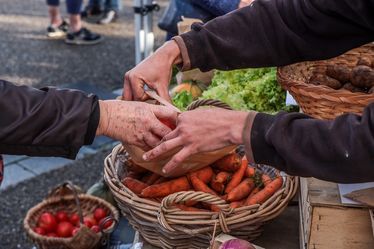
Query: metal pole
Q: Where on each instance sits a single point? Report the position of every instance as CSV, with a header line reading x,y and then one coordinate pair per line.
x,y
148,28
139,41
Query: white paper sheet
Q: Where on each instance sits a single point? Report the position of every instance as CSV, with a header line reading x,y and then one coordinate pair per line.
x,y
290,100
348,188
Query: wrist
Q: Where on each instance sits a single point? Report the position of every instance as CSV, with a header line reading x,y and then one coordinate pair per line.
x,y
173,52
236,128
103,121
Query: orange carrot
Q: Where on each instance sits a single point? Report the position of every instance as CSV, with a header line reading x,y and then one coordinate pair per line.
x,y
134,185
266,192
190,203
229,163
199,185
255,191
187,208
242,190
204,174
218,183
152,179
250,172
265,179
236,178
237,204
166,188
223,197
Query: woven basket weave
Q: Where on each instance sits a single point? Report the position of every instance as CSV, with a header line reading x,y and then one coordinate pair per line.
x,y
319,101
163,225
62,198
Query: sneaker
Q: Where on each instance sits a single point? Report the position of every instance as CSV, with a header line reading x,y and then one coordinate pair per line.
x,y
58,32
83,37
110,16
91,11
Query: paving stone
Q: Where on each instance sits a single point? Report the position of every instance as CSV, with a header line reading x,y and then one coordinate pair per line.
x,y
101,92
100,141
39,165
14,174
9,159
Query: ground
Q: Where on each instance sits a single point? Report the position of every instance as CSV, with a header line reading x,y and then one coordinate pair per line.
x,y
28,57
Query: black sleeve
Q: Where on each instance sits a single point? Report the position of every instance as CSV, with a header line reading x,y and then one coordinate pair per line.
x,y
341,150
46,122
280,32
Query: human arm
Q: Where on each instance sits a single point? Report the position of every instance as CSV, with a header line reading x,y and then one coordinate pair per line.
x,y
57,122
339,150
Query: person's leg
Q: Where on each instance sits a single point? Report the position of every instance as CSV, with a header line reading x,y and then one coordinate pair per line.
x,y
112,7
58,27
74,9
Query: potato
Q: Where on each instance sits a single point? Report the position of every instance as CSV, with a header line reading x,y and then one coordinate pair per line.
x,y
320,79
362,76
348,86
365,61
339,72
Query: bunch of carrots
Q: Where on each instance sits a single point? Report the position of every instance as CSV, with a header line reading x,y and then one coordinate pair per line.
x,y
230,178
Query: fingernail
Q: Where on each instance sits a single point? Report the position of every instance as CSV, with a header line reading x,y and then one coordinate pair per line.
x,y
164,171
145,157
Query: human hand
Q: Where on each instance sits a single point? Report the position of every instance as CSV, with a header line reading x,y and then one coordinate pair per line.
x,y
135,123
218,129
244,3
155,71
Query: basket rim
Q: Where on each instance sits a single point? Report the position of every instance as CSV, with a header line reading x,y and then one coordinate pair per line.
x,y
55,199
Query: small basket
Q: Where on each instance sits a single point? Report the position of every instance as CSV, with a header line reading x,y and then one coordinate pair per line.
x,y
165,226
319,101
68,197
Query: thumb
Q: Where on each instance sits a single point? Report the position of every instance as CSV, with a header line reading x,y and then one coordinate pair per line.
x,y
163,91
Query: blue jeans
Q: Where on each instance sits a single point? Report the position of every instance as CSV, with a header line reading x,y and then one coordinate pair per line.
x,y
106,4
73,6
123,234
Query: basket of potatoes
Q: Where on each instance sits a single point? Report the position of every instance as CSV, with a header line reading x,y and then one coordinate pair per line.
x,y
328,88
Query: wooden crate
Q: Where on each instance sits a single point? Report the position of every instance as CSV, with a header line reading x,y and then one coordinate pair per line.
x,y
325,223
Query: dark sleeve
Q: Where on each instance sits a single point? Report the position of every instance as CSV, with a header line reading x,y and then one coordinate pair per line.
x,y
278,32
218,7
46,122
340,150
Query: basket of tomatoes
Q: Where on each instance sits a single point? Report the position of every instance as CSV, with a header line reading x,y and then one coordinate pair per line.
x,y
70,219
188,211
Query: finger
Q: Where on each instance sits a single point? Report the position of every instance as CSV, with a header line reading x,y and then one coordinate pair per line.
x,y
163,112
170,135
159,129
176,160
163,91
162,148
151,140
137,85
127,91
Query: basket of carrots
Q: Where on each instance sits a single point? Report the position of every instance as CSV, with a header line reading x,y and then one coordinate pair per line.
x,y
228,196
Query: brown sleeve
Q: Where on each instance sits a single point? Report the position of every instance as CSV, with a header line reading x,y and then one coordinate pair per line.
x,y
46,122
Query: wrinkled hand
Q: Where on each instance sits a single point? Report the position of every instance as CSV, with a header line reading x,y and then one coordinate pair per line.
x,y
155,71
135,123
244,3
219,128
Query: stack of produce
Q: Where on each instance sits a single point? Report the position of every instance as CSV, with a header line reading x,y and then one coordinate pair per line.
x,y
231,178
357,79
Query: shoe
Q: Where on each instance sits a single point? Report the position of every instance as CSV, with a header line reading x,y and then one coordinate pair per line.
x,y
83,37
110,16
91,11
58,32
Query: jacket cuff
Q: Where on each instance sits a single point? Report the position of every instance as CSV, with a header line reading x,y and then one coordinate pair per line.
x,y
93,122
247,136
186,62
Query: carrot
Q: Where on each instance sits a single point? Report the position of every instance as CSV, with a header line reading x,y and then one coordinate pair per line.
x,y
160,180
255,191
190,203
152,179
166,188
250,172
230,163
187,208
266,192
242,190
134,185
236,178
265,179
204,174
199,185
218,183
237,204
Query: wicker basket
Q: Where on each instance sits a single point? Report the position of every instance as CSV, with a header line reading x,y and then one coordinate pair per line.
x,y
67,197
163,225
321,101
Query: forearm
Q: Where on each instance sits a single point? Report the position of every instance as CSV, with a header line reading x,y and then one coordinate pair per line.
x,y
340,150
278,32
46,122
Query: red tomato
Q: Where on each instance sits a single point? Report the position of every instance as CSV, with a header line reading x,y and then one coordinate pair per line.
x,y
64,229
99,214
75,231
52,235
95,228
107,224
90,219
39,230
62,216
168,123
48,222
74,219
